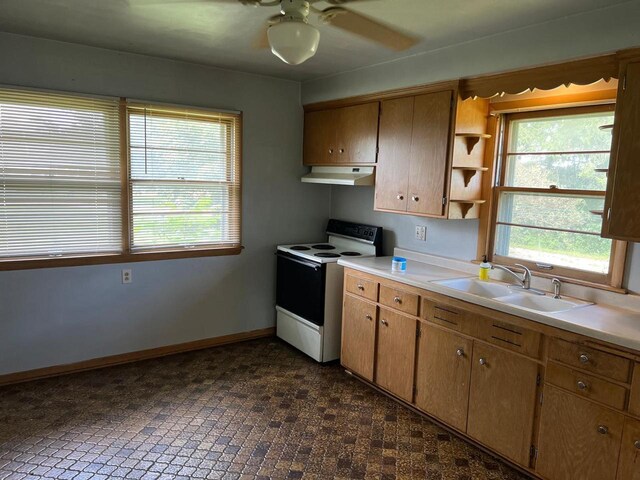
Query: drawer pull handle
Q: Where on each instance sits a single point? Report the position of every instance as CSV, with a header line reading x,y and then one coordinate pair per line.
x,y
637,444
460,352
361,287
368,317
397,300
582,386
341,150
400,197
603,429
415,198
384,322
483,361
330,151
584,358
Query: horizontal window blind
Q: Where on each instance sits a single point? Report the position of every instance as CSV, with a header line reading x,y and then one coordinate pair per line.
x,y
184,172
60,188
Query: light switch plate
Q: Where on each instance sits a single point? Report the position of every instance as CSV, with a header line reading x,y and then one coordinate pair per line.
x,y
421,233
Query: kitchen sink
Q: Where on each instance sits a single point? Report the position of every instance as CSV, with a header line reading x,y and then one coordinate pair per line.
x,y
501,292
480,288
542,303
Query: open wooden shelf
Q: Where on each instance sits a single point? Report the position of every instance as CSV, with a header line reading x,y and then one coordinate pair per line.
x,y
469,172
466,205
472,139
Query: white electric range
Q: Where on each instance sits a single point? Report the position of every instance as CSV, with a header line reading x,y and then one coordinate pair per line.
x,y
309,287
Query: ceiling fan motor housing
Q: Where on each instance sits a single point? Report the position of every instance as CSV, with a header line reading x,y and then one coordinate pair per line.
x,y
295,9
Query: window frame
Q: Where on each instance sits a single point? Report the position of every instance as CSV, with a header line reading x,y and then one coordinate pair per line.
x,y
127,255
617,258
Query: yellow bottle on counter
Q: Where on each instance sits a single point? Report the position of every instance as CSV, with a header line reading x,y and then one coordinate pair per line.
x,y
485,269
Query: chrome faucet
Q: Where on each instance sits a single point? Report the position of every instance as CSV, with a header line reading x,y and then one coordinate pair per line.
x,y
524,281
557,284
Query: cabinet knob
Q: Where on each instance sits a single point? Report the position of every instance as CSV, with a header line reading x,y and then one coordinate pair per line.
x,y
360,287
637,444
584,358
582,385
341,150
415,198
384,322
330,151
460,352
603,429
368,317
400,197
483,361
397,299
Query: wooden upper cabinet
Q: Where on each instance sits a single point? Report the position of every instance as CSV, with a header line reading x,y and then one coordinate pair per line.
x,y
347,135
428,172
358,336
395,353
622,203
578,439
319,137
502,401
413,160
357,133
392,171
442,375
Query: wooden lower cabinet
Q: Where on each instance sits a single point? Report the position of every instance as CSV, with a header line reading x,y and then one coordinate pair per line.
x,y
395,353
502,401
578,440
629,466
443,369
358,336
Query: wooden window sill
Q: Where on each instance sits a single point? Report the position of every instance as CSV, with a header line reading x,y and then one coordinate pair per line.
x,y
27,264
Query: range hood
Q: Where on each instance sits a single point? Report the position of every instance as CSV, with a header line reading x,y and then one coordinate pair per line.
x,y
340,175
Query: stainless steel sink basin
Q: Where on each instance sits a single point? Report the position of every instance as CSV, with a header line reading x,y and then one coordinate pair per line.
x,y
542,303
478,287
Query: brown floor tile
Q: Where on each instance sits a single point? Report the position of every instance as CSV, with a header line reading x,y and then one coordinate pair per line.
x,y
256,410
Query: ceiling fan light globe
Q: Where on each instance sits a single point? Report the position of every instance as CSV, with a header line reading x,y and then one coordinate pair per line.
x,y
293,42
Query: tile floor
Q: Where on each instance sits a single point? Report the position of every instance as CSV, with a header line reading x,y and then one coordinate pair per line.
x,y
254,410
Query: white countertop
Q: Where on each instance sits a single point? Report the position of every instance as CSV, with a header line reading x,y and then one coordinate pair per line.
x,y
607,323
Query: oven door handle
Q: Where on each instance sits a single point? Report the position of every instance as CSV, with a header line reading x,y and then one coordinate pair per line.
x,y
315,266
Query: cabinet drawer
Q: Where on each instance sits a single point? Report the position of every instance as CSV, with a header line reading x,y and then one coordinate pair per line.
x,y
590,359
364,288
404,301
586,385
509,336
446,316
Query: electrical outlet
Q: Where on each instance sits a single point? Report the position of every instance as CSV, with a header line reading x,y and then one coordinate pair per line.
x,y
421,233
126,276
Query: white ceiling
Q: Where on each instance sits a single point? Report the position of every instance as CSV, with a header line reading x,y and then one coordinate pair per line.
x,y
221,34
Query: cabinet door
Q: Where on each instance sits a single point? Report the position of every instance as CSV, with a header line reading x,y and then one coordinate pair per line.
x,y
319,142
357,134
442,376
392,171
623,195
502,401
428,171
579,440
358,336
395,353
629,467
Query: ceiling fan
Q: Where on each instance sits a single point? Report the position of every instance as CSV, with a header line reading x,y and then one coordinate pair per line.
x,y
294,40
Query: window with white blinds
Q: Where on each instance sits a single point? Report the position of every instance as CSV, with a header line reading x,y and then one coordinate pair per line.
x,y
60,186
184,178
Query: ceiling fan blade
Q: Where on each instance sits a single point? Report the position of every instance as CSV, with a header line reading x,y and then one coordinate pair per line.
x,y
367,27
